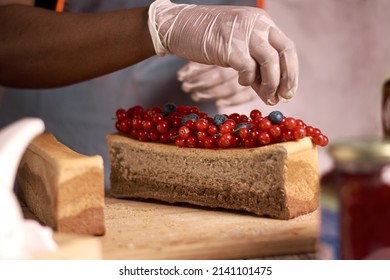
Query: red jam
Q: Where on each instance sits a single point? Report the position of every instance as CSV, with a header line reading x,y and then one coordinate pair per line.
x,y
365,215
363,179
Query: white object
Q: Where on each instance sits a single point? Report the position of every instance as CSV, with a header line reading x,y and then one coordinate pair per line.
x,y
19,238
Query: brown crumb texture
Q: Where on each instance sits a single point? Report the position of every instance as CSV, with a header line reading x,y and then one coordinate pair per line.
x,y
63,189
279,181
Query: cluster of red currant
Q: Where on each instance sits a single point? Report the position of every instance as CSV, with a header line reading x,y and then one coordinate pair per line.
x,y
186,126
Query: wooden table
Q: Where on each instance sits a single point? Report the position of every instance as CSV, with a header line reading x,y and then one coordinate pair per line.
x,y
155,230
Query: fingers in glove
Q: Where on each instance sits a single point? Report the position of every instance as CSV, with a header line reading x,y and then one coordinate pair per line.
x,y
244,96
209,79
191,70
289,68
223,90
267,83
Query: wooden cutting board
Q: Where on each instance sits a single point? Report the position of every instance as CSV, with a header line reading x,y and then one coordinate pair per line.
x,y
154,230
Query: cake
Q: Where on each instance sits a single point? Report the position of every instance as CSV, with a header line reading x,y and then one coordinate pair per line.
x,y
62,188
278,180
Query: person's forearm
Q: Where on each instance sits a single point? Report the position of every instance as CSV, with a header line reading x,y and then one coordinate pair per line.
x,y
41,48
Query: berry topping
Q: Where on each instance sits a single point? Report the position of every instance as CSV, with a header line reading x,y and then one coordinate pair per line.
x,y
187,126
275,117
169,108
194,117
219,119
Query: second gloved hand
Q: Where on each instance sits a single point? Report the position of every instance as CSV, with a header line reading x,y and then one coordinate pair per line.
x,y
243,38
210,82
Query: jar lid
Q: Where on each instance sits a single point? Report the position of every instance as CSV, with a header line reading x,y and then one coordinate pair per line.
x,y
361,150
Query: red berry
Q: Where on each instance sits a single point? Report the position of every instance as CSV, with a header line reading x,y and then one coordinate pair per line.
x,y
299,132
226,140
275,131
157,118
201,124
265,124
124,125
309,130
192,141
184,132
210,143
143,135
257,120
147,125
162,127
180,142
290,123
235,117
212,129
154,135
136,123
201,135
320,139
228,126
243,132
286,136
264,138
254,114
164,138
250,142
120,114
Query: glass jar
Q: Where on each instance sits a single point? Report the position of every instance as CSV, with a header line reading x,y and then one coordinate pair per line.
x,y
362,169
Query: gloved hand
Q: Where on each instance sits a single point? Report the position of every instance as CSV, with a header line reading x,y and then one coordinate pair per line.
x,y
243,38
211,82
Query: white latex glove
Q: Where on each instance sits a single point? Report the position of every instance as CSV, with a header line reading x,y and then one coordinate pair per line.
x,y
211,82
243,38
19,238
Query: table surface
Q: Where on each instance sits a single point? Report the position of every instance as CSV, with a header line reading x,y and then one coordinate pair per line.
x,y
155,230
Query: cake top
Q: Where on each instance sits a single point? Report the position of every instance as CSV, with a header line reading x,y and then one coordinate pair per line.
x,y
187,126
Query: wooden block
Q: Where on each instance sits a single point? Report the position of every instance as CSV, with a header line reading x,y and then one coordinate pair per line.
x,y
62,188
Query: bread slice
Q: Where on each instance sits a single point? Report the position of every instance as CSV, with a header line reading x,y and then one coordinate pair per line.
x,y
279,181
62,188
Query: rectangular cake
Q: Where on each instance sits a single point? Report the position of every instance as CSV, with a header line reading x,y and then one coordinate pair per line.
x,y
279,180
62,188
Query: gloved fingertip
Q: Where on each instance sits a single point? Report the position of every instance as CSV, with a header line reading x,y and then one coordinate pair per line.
x,y
284,100
246,78
222,103
272,101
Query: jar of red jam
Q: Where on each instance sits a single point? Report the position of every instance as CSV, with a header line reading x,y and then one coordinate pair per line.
x,y
362,171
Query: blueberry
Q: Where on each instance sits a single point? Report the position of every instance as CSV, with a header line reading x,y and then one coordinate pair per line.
x,y
240,125
219,119
275,117
169,108
192,116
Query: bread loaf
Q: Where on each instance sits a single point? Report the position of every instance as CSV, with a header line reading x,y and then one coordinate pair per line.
x,y
280,180
63,189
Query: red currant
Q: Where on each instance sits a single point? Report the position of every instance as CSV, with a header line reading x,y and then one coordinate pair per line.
x,y
254,114
290,123
264,138
184,131
299,132
201,124
180,142
120,114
